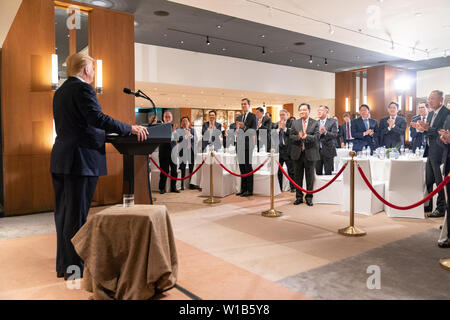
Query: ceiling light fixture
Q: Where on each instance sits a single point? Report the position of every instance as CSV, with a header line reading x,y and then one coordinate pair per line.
x,y
310,59
263,50
219,26
326,61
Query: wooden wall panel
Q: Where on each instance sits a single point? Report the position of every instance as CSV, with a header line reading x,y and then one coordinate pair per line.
x,y
27,118
185,112
376,91
345,87
290,108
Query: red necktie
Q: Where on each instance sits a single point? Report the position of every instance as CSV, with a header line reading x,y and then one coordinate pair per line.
x,y
348,130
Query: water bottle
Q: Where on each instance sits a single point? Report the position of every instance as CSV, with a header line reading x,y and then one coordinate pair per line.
x,y
402,150
368,151
351,145
417,152
422,151
346,145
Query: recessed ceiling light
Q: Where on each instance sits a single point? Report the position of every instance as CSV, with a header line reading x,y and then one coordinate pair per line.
x,y
331,51
136,23
161,13
219,26
224,49
181,41
263,36
101,3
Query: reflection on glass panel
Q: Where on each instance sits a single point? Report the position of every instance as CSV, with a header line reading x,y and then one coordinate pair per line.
x,y
83,34
61,42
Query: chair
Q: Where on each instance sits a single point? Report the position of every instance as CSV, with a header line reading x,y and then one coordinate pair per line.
x,y
330,195
365,201
405,187
224,183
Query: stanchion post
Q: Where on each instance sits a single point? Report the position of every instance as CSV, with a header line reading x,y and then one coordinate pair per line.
x,y
211,199
272,213
351,230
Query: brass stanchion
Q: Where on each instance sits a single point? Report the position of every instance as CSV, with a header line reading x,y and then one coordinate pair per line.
x,y
211,199
445,263
351,230
272,212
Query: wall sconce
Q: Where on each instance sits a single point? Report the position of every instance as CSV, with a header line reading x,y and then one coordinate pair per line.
x,y
54,72
347,107
365,100
399,100
99,85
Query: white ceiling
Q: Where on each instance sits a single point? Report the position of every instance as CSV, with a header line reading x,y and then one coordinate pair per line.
x,y
8,11
420,24
177,96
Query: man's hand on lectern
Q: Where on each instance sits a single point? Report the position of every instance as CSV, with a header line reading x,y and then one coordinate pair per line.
x,y
140,131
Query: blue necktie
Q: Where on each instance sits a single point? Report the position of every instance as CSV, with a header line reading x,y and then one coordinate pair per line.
x,y
366,122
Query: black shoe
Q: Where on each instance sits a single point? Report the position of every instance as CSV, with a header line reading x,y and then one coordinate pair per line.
x,y
293,190
247,194
162,191
298,201
240,193
309,202
60,274
428,209
436,214
445,244
175,191
192,187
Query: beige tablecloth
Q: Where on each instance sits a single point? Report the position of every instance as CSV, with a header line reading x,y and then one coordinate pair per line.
x,y
129,253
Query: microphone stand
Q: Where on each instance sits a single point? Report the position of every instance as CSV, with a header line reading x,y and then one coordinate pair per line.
x,y
141,94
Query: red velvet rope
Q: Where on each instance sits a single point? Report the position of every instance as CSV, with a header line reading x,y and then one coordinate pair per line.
x,y
312,191
241,175
173,178
428,197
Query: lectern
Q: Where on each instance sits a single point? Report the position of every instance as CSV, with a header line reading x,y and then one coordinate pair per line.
x,y
129,146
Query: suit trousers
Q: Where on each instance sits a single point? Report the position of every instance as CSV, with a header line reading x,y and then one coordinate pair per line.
x,y
434,176
324,163
290,169
247,182
166,164
303,167
73,196
190,165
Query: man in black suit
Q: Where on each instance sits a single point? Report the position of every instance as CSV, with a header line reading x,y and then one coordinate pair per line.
x,y
345,130
364,130
78,155
304,138
165,159
211,132
237,114
327,142
263,126
434,123
246,139
418,136
392,128
185,136
337,141
283,128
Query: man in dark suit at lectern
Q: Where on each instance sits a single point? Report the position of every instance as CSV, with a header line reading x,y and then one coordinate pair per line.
x,y
78,156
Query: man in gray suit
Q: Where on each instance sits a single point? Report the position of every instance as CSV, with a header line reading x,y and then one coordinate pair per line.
x,y
435,122
304,138
327,142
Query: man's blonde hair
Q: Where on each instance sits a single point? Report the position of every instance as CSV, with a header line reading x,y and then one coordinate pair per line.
x,y
76,63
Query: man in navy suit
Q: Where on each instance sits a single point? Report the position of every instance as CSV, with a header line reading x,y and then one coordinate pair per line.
x,y
186,141
211,132
364,130
435,122
345,130
165,159
78,156
392,128
418,135
246,126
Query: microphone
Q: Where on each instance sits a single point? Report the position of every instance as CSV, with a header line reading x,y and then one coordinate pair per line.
x,y
141,94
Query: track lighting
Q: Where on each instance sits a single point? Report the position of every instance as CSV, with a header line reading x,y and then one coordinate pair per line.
x,y
310,59
326,61
263,50
207,41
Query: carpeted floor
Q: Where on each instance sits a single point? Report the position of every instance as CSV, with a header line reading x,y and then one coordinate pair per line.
x,y
229,251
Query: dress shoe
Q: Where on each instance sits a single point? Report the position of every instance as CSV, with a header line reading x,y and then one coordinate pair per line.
x,y
60,274
428,209
175,191
436,214
192,187
240,193
298,201
309,202
445,244
247,194
162,191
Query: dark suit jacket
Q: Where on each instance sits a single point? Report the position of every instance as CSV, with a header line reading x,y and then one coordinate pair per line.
x,y
80,125
343,132
417,137
311,142
179,135
328,140
266,124
285,149
206,135
394,137
359,140
165,149
433,150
